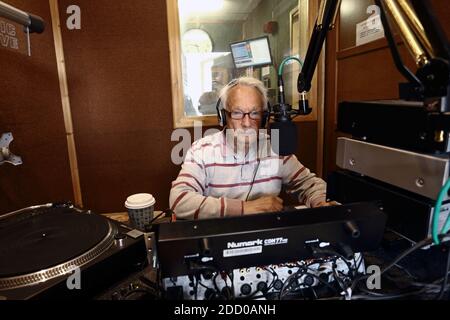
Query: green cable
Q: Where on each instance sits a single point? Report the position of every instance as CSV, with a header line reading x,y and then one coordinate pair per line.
x,y
280,69
446,227
437,212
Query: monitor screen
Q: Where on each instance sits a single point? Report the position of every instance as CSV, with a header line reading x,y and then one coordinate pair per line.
x,y
251,53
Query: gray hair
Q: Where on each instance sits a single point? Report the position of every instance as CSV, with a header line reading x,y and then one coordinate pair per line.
x,y
244,81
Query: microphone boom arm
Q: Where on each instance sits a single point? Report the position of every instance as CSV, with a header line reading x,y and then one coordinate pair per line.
x,y
423,37
325,22
30,21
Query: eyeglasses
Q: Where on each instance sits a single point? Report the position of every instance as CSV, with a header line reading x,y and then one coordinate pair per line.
x,y
239,115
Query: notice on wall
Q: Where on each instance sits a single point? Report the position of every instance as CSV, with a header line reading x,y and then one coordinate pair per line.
x,y
369,30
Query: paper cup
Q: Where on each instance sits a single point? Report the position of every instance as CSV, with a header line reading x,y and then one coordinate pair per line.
x,y
140,210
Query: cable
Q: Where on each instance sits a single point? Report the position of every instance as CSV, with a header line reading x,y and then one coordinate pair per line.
x,y
302,271
315,294
281,96
215,283
253,180
281,67
216,287
386,297
274,278
203,285
288,281
196,288
437,213
444,283
333,253
417,246
167,211
258,156
361,259
229,293
232,282
322,281
336,276
424,289
378,296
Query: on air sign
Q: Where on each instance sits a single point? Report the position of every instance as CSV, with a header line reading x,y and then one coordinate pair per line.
x,y
8,35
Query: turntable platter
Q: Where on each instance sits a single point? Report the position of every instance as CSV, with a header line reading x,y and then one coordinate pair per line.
x,y
42,241
40,244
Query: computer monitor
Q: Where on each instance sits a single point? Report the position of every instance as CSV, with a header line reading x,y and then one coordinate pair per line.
x,y
251,53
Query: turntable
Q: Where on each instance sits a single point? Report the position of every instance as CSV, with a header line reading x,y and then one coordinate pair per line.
x,y
43,247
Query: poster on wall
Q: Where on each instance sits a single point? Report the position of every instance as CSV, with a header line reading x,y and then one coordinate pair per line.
x,y
369,30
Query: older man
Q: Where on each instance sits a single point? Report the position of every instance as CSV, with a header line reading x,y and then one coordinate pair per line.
x,y
232,172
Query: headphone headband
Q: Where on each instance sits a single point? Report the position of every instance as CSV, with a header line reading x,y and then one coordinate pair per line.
x,y
222,115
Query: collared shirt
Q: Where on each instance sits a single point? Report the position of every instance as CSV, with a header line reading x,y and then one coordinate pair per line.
x,y
215,180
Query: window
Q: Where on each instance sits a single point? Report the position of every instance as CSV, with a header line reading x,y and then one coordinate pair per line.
x,y
200,37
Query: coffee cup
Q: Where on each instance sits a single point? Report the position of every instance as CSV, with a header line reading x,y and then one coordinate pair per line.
x,y
140,210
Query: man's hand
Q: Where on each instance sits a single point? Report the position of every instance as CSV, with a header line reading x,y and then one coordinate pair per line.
x,y
264,204
327,204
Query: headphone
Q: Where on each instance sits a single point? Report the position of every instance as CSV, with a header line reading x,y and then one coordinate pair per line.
x,y
222,114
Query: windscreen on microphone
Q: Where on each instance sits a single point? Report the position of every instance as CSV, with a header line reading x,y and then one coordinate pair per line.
x,y
283,137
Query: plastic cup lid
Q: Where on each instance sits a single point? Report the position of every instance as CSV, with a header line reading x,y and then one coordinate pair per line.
x,y
140,201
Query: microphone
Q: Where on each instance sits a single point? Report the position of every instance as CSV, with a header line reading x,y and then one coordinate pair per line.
x,y
283,130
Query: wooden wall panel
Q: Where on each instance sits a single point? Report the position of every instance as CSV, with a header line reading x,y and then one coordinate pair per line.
x,y
30,107
119,84
307,144
119,87
361,73
351,13
330,108
370,75
440,8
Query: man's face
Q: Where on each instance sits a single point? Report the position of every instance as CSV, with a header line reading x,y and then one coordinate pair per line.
x,y
244,99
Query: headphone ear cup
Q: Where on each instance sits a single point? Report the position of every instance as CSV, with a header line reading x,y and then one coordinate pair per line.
x,y
223,117
220,113
265,120
266,117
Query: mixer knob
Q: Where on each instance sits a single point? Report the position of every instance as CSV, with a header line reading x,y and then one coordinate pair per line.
x,y
262,286
278,284
308,280
246,289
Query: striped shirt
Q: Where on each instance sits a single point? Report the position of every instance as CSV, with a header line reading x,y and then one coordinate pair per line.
x,y
214,180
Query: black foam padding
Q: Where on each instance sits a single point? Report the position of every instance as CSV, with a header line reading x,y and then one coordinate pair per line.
x,y
288,140
37,24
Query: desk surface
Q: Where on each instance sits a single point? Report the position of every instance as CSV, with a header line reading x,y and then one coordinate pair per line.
x,y
123,216
119,216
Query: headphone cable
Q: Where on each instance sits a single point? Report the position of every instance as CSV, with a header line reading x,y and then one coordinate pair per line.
x,y
258,157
